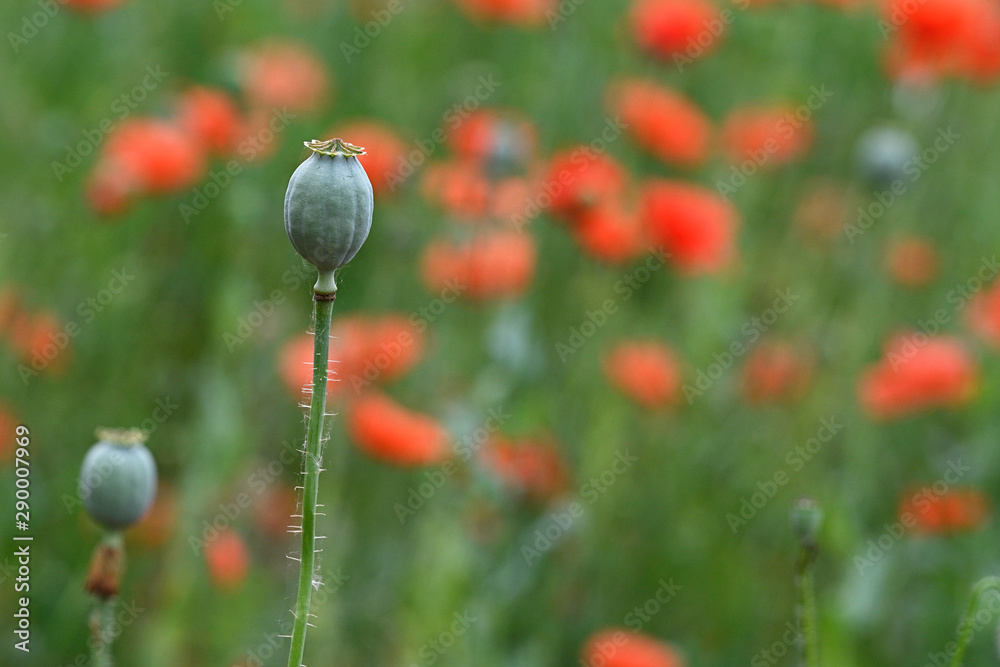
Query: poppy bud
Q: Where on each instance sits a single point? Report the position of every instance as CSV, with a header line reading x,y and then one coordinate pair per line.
x,y
118,478
328,208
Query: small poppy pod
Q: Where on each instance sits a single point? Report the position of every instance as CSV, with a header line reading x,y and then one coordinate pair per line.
x,y
118,478
328,208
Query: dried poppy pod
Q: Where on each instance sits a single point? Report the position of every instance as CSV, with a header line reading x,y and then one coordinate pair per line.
x,y
328,208
118,478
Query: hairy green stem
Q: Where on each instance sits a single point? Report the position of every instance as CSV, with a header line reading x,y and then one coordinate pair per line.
x,y
965,628
323,311
101,619
807,599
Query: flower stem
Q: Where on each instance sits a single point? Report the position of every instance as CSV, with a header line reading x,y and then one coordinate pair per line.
x,y
101,619
322,313
966,626
807,600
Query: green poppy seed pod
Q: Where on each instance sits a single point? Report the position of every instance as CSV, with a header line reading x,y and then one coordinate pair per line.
x,y
806,518
328,208
118,478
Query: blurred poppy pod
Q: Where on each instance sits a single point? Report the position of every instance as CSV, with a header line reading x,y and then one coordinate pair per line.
x,y
806,517
118,478
883,153
328,208
502,141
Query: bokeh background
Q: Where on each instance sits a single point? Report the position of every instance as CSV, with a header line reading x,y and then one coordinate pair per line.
x,y
641,275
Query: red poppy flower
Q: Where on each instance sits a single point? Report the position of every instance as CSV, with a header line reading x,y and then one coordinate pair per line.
x,y
530,467
983,314
943,37
765,136
578,179
385,430
695,226
227,559
933,510
683,28
285,75
212,118
41,341
493,264
662,121
460,188
916,373
155,156
912,261
92,5
517,12
384,152
610,233
775,371
623,648
646,371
